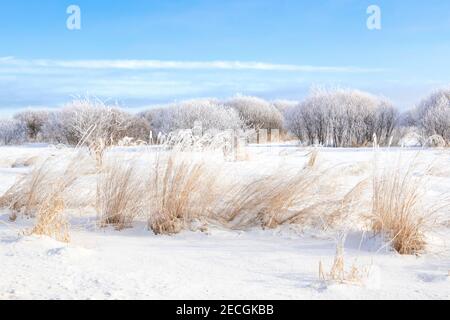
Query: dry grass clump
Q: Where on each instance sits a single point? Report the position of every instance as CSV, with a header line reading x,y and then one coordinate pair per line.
x,y
312,160
42,194
50,220
25,195
120,194
180,190
337,273
304,197
269,201
50,177
398,211
288,196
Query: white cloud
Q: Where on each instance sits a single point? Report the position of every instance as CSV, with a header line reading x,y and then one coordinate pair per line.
x,y
6,59
177,65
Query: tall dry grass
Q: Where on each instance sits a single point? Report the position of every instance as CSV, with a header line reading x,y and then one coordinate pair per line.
x,y
47,178
50,220
120,194
268,201
182,189
25,195
304,197
42,193
338,272
312,160
179,191
398,208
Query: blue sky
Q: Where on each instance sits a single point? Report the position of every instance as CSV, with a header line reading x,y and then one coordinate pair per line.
x,y
146,52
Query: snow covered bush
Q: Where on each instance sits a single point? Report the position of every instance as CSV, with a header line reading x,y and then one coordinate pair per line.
x,y
93,120
158,119
435,141
432,115
57,128
137,128
68,125
256,112
95,124
184,115
188,141
12,132
33,120
342,118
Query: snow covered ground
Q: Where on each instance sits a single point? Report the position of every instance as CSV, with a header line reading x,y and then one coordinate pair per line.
x,y
101,263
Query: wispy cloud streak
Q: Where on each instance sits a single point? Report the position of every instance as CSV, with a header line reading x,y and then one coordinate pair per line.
x,y
178,65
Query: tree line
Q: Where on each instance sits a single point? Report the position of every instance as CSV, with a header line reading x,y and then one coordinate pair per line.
x,y
327,117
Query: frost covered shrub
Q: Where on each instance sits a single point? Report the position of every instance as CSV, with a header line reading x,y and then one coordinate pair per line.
x,y
95,124
56,129
69,125
342,118
93,120
12,132
432,115
256,112
137,128
33,120
157,119
183,115
210,113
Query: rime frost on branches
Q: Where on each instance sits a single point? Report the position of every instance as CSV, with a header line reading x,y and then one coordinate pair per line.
x,y
342,118
179,116
12,132
256,112
432,115
33,121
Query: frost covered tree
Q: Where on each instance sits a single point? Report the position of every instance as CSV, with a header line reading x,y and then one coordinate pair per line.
x,y
256,112
12,132
95,124
137,128
33,121
158,119
432,115
184,115
57,128
92,120
342,118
